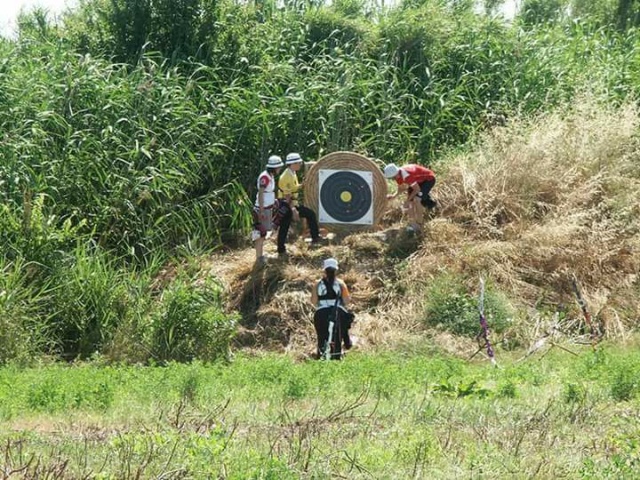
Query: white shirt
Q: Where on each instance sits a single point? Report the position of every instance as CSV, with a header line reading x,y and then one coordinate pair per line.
x,y
267,182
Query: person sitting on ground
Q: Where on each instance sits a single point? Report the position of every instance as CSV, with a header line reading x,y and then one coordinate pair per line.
x,y
418,182
289,205
331,297
263,210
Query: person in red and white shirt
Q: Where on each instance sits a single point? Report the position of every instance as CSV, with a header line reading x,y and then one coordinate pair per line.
x,y
418,182
263,210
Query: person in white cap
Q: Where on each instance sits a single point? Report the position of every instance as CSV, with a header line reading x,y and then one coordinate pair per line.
x,y
263,208
290,206
418,182
331,297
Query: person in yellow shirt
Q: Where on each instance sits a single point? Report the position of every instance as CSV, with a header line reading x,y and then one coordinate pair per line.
x,y
290,208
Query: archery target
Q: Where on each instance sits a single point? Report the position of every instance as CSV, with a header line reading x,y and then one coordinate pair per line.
x,y
345,196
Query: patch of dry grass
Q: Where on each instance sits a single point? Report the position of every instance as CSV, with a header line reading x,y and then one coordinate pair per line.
x,y
538,201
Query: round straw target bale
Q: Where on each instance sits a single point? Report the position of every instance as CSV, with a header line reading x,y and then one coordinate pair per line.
x,y
346,190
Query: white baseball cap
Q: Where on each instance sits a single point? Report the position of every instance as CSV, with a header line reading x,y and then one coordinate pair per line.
x,y
330,263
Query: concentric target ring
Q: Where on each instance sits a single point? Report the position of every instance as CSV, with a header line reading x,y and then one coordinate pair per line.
x,y
346,197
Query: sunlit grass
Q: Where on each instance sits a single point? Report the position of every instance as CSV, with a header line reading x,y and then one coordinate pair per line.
x,y
381,415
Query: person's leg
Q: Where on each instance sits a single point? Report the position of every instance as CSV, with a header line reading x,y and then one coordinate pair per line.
x,y
263,226
345,325
417,214
257,234
334,320
425,190
321,324
336,338
312,221
413,214
283,230
259,249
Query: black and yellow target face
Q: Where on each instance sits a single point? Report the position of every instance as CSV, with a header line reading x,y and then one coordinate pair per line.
x,y
345,196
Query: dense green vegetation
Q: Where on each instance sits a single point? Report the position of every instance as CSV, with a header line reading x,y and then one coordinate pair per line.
x,y
132,131
413,413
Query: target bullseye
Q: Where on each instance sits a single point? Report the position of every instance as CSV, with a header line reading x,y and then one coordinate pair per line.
x,y
346,197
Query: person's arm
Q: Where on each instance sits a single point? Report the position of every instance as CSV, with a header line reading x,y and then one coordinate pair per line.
x,y
294,192
284,187
346,296
314,295
399,189
291,189
410,195
414,189
394,194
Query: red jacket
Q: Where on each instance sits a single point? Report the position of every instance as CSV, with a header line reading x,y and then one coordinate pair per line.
x,y
410,174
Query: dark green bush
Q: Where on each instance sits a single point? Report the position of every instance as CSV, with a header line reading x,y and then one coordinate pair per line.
x,y
92,298
327,30
625,384
30,232
190,323
22,335
574,393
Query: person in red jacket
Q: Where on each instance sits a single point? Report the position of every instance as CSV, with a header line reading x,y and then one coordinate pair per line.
x,y
418,182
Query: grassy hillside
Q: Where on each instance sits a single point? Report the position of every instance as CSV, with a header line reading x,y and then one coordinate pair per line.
x,y
529,206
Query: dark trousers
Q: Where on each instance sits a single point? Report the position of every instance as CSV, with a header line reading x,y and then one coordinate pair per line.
x,y
425,197
340,335
285,222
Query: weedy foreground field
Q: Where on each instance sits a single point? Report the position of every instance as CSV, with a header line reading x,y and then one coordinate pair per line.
x,y
413,413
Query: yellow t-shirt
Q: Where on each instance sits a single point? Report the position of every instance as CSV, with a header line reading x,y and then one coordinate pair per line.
x,y
288,185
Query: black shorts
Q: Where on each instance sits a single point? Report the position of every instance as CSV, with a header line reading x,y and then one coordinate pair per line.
x,y
424,195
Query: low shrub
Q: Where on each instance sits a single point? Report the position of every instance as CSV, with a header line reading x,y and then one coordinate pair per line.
x,y
452,307
625,384
92,298
22,335
190,323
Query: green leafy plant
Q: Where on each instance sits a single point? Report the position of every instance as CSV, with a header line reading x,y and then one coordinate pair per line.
x,y
24,333
625,384
93,297
574,393
190,323
462,389
450,306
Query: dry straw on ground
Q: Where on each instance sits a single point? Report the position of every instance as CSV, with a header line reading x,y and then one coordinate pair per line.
x,y
556,196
